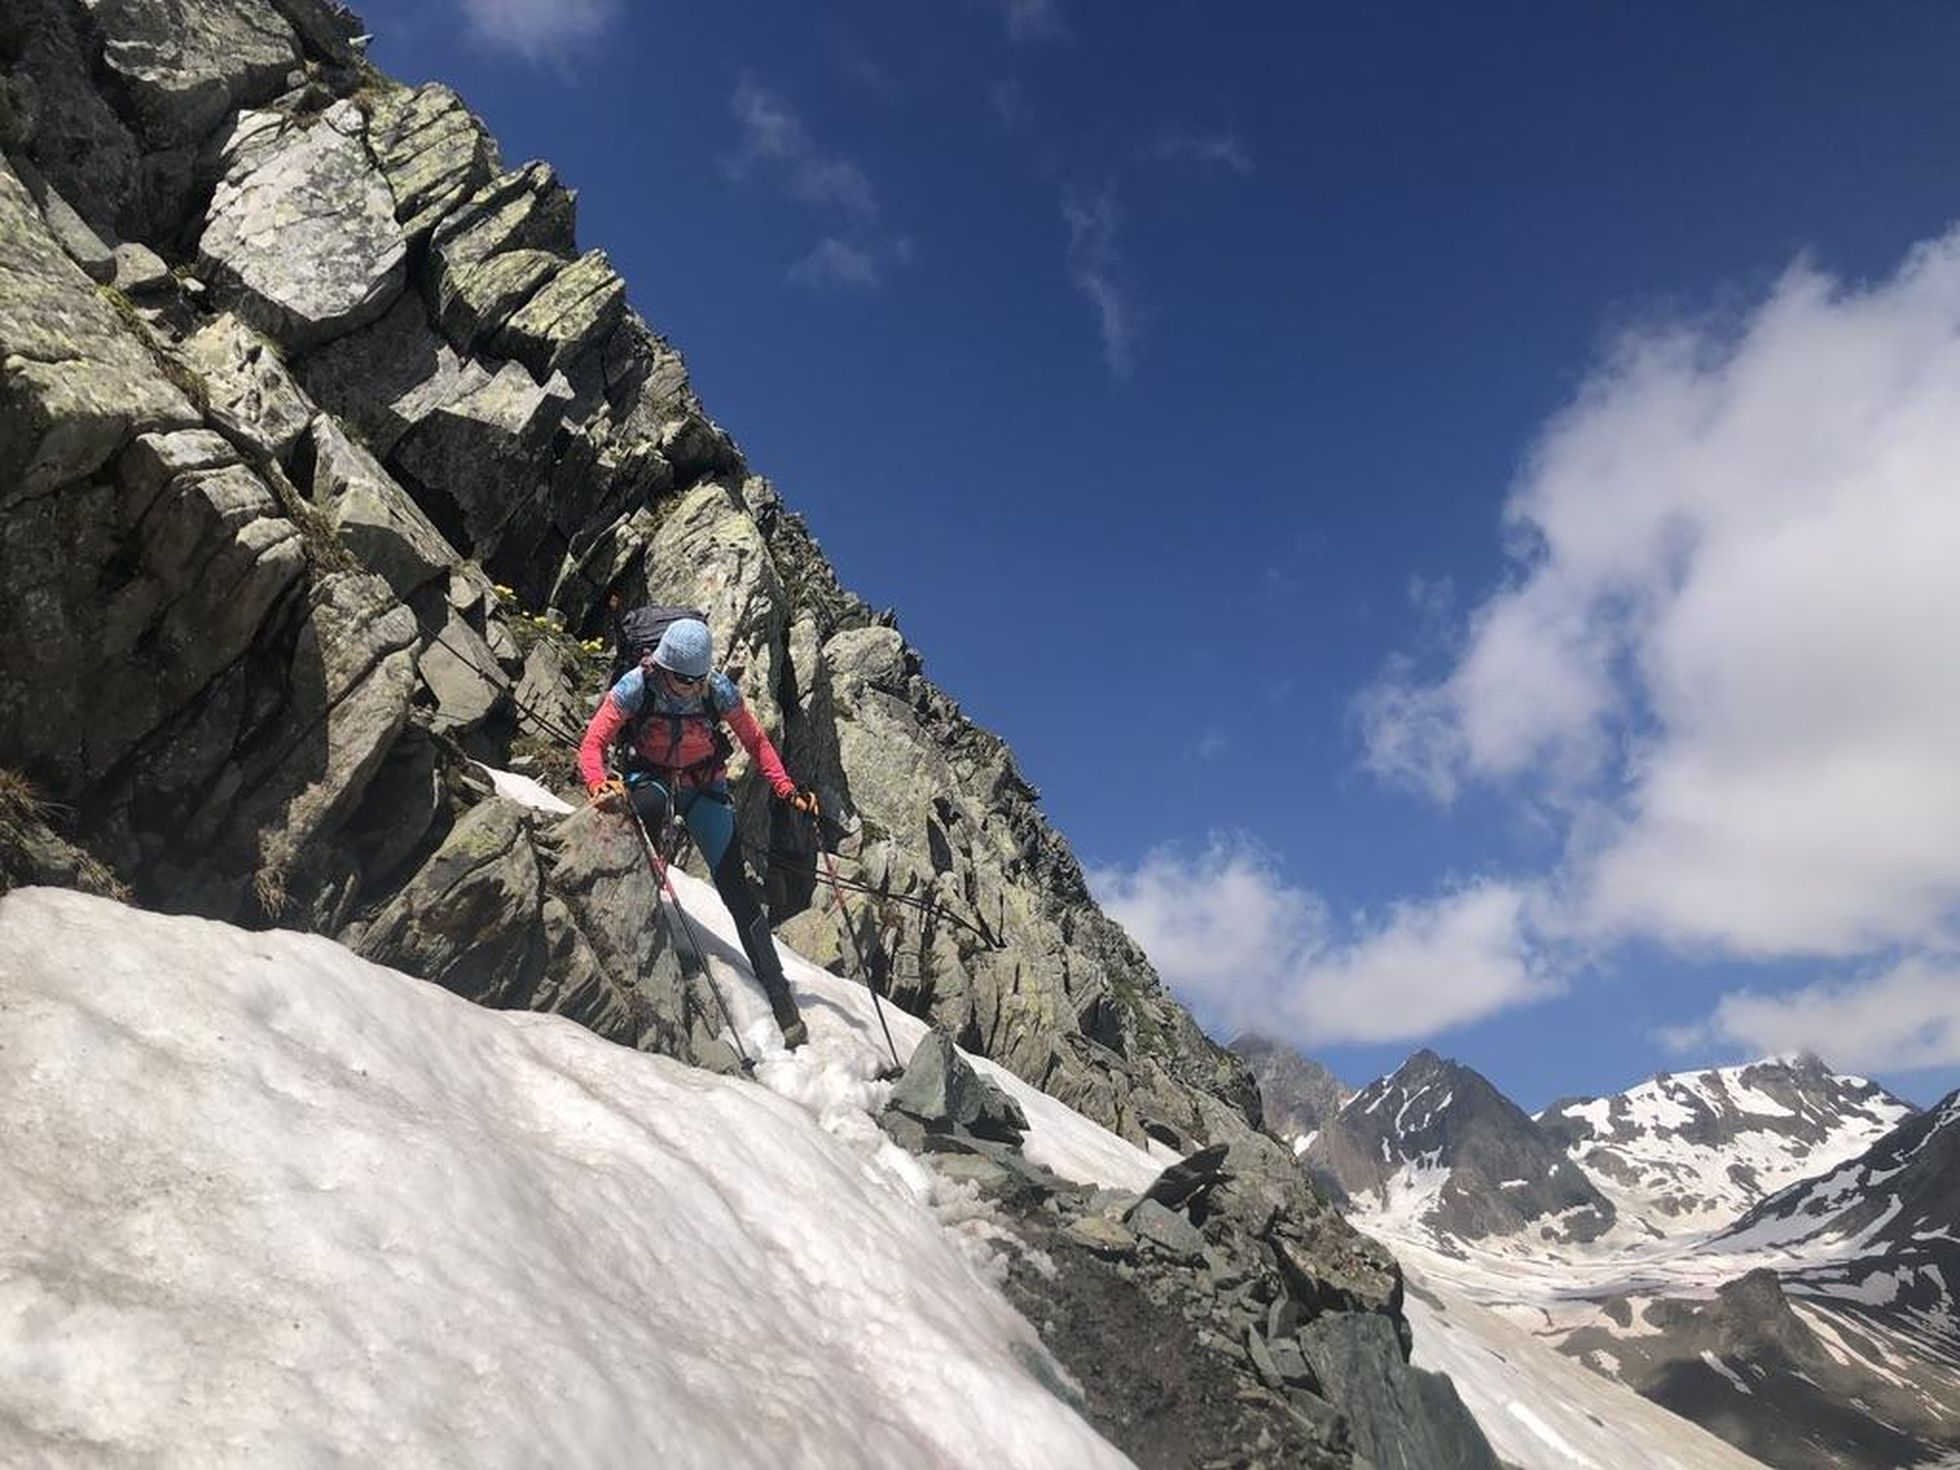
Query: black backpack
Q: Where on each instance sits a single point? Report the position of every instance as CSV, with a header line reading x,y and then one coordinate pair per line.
x,y
636,633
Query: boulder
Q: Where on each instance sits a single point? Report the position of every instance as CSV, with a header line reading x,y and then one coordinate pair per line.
x,y
480,296
519,910
139,270
304,241
573,313
459,670
525,210
387,377
940,1088
186,65
326,26
1189,1179
76,383
1402,1418
1169,1231
484,450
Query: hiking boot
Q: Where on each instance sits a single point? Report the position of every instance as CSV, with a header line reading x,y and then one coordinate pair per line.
x,y
768,967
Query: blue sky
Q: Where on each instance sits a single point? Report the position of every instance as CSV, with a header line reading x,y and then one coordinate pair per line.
x,y
1453,506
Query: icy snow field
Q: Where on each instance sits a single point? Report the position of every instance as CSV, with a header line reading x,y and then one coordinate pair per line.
x,y
1542,1410
271,1204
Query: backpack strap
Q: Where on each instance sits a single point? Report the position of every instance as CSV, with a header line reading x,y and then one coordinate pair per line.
x,y
723,746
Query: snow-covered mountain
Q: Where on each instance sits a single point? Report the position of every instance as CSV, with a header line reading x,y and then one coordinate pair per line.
x,y
1782,1258
1691,1151
1436,1147
1878,1237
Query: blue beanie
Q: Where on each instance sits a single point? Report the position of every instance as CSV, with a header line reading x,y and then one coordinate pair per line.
x,y
686,649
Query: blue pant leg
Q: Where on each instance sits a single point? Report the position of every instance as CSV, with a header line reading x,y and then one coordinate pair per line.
x,y
710,816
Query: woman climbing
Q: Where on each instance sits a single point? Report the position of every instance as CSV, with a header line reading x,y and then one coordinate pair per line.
x,y
668,712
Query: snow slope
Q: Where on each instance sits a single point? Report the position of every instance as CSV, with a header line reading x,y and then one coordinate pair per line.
x,y
271,1203
1541,1410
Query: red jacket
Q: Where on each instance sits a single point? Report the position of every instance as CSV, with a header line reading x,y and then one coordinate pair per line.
x,y
635,695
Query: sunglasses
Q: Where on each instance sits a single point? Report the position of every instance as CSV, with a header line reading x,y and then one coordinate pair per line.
x,y
687,680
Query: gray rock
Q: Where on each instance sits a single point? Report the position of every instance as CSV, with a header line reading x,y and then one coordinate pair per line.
x,y
460,672
1167,1230
940,1088
76,383
61,119
154,460
186,65
139,270
432,152
1103,1236
349,682
375,518
305,240
327,27
973,1169
1402,1418
479,297
248,393
387,377
574,312
550,705
486,449
1189,1178
526,210
84,246
563,917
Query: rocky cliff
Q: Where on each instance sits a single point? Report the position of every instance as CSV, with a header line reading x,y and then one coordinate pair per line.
x,y
325,450
313,407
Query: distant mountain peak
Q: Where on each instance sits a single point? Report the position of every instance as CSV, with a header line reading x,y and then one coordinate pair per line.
x,y
1297,1093
1436,1141
1693,1150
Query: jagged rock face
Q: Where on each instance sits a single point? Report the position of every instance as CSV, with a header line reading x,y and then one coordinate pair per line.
x,y
1690,1150
250,523
396,380
1298,1094
1438,1140
76,383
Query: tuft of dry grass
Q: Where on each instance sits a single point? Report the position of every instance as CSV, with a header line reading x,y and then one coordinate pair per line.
x,y
32,851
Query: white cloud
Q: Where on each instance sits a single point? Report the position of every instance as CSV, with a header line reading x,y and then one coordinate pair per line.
x,y
774,136
1095,268
1902,1020
1031,20
776,143
835,262
538,28
1222,149
1726,653
1244,948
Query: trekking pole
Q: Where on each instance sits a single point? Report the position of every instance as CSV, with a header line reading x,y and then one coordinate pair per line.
x,y
694,949
844,919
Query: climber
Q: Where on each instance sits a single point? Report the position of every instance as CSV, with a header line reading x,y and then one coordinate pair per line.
x,y
668,711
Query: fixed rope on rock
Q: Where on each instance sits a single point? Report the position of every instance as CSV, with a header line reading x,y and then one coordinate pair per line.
x,y
694,951
844,919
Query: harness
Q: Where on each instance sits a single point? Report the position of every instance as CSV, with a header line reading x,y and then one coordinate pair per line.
x,y
695,773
